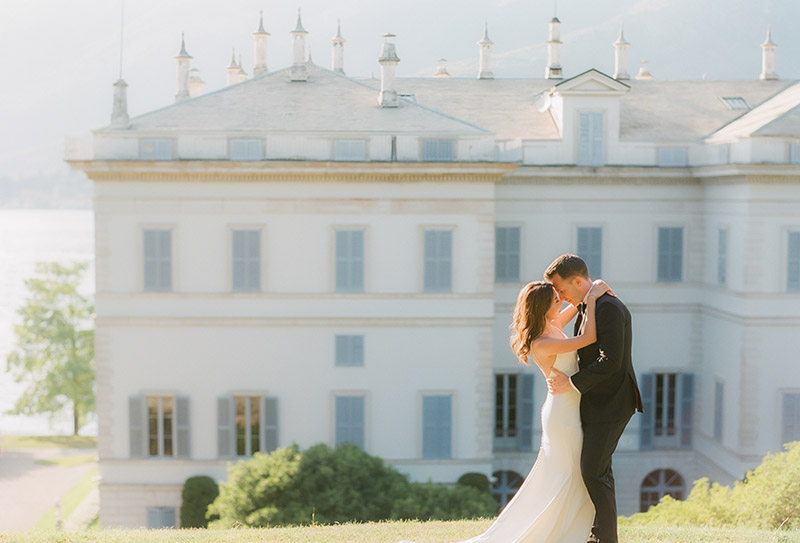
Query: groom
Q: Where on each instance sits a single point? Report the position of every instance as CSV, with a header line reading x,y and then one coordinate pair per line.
x,y
607,383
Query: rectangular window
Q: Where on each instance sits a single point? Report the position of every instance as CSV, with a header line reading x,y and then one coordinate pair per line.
x,y
155,149
507,254
438,265
248,424
349,261
437,422
505,411
590,248
672,156
670,254
722,257
350,420
349,350
590,139
350,150
438,150
669,398
793,263
246,260
157,260
790,427
718,410
161,517
247,149
794,153
160,427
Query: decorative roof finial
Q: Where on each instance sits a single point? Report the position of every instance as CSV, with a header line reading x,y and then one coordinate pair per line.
x,y
299,26
261,24
183,53
485,39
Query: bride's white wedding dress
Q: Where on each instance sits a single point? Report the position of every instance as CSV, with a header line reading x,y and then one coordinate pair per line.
x,y
552,505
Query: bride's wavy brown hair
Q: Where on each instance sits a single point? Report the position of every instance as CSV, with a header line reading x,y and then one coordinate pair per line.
x,y
528,321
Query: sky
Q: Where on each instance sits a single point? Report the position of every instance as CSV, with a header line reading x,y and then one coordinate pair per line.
x,y
60,58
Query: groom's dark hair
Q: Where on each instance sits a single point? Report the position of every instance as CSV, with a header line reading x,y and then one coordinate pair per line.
x,y
567,266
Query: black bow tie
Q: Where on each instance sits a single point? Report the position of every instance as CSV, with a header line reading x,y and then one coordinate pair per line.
x,y
582,308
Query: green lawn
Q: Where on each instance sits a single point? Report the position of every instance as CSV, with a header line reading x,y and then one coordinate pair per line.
x,y
384,532
69,502
28,442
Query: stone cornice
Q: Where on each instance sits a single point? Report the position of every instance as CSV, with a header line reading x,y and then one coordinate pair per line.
x,y
292,171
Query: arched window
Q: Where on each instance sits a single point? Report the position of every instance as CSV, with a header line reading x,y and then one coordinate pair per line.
x,y
658,484
506,484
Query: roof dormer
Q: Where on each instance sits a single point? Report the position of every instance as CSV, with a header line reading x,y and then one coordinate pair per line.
x,y
585,109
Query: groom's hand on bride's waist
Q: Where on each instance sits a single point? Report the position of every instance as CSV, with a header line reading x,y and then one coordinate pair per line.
x,y
559,382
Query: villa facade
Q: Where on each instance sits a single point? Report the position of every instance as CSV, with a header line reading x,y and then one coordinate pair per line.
x,y
305,257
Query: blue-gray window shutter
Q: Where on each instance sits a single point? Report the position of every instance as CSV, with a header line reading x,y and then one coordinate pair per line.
x,y
137,428
790,420
670,254
183,427
437,427
590,139
793,262
438,256
246,260
648,390
157,260
349,260
590,248
350,420
722,256
718,410
269,424
349,350
687,411
507,253
225,427
526,415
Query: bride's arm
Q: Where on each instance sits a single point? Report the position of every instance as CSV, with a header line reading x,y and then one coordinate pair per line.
x,y
548,346
565,316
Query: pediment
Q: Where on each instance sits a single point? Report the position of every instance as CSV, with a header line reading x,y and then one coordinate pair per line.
x,y
591,82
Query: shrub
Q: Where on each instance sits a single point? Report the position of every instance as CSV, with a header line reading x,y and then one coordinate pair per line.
x,y
198,493
478,481
324,485
767,498
255,492
429,501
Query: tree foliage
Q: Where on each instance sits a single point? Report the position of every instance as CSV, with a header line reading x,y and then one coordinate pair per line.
x,y
767,498
54,352
326,486
197,494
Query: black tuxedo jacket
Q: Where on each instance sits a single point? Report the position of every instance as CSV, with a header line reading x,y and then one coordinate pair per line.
x,y
606,380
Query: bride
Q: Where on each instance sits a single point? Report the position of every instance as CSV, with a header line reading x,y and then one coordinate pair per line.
x,y
552,505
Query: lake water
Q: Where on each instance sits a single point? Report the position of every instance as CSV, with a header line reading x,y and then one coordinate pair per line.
x,y
28,236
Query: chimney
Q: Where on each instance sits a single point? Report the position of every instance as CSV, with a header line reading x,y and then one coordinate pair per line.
x,y
553,68
183,59
233,70
388,61
644,72
441,69
621,57
485,55
242,75
337,50
119,115
260,48
196,83
768,57
299,70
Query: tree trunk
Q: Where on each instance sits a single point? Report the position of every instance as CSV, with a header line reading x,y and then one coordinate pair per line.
x,y
75,420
